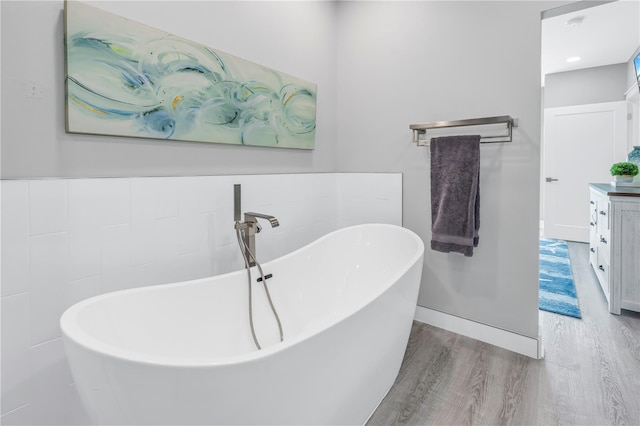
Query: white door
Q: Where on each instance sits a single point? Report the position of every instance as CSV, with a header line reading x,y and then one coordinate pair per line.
x,y
580,144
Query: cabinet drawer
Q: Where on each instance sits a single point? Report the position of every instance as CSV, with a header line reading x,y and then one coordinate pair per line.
x,y
593,258
593,214
603,247
603,222
602,271
593,228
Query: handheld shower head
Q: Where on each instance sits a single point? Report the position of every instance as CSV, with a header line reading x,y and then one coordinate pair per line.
x,y
237,199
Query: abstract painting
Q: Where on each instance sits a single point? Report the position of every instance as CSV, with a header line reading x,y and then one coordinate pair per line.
x,y
127,79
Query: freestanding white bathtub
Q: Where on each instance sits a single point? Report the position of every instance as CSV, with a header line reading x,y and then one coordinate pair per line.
x,y
183,354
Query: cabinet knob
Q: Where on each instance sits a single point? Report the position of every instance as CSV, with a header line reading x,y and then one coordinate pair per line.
x,y
603,213
603,240
592,250
592,224
592,202
601,268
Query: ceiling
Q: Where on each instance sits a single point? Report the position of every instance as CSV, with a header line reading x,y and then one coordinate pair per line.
x,y
608,34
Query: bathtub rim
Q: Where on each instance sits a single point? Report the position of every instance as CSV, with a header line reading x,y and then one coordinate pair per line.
x,y
72,332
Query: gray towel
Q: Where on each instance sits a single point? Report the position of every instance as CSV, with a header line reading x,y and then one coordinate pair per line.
x,y
455,193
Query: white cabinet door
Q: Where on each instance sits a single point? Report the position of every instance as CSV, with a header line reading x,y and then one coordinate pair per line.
x,y
580,144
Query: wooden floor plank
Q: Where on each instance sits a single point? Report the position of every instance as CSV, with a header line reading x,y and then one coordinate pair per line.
x,y
590,374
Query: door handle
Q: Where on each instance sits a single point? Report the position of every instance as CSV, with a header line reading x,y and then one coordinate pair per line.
x,y
550,179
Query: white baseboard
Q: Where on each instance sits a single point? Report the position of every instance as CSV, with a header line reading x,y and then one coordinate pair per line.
x,y
505,339
629,305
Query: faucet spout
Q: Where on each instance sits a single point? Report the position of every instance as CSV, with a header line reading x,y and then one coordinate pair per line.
x,y
249,228
253,217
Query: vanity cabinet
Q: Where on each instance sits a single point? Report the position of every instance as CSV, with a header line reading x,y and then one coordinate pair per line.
x,y
614,244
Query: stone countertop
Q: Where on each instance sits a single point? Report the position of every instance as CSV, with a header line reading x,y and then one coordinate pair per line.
x,y
616,191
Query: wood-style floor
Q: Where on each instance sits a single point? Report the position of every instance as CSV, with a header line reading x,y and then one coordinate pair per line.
x,y
590,374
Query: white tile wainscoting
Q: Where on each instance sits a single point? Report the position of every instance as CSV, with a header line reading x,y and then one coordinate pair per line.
x,y
64,240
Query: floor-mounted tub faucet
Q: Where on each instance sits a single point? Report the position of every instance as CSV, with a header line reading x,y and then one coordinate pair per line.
x,y
250,226
246,233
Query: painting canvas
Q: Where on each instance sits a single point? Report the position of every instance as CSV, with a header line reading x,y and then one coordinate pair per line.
x,y
127,79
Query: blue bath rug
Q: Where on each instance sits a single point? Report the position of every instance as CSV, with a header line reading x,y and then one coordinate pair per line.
x,y
557,289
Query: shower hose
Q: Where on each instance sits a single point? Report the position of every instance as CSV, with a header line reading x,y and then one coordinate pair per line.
x,y
244,250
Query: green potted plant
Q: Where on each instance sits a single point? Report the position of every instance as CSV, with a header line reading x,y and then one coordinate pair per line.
x,y
624,171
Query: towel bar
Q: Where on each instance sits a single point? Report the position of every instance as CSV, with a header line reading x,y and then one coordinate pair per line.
x,y
507,120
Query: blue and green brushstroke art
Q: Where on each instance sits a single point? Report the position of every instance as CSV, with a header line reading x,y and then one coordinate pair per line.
x,y
127,79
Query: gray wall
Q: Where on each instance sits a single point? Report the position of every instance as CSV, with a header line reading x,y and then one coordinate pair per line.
x,y
587,86
298,38
380,66
401,63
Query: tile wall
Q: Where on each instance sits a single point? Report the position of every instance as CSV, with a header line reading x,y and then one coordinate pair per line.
x,y
64,240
